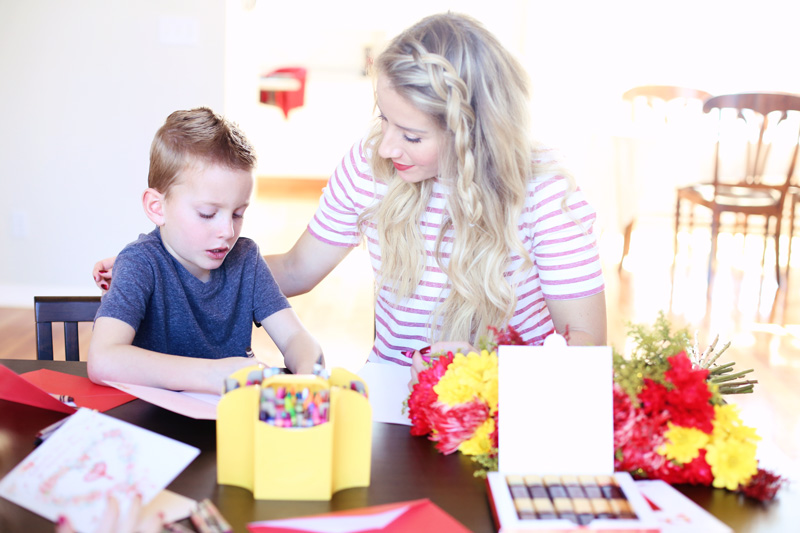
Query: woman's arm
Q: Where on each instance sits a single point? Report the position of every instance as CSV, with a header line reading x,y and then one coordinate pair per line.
x,y
308,262
584,318
300,350
297,271
111,357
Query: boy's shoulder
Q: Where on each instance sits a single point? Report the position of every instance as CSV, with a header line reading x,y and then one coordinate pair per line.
x,y
244,248
148,244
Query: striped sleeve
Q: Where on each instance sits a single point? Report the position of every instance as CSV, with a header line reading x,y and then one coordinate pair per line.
x,y
563,244
349,191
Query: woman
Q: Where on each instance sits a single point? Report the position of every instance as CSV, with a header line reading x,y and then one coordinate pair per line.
x,y
468,224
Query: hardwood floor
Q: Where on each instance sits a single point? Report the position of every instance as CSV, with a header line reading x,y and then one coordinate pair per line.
x,y
339,311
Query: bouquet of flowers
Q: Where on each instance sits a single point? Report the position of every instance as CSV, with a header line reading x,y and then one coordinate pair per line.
x,y
670,419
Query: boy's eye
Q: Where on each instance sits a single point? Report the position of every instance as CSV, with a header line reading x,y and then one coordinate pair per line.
x,y
238,215
203,215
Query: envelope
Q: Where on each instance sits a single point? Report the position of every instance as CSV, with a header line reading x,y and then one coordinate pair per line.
x,y
15,388
83,390
415,515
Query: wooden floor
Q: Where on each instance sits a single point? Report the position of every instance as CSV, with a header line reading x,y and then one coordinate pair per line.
x,y
339,311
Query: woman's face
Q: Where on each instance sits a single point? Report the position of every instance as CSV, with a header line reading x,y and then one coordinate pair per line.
x,y
411,138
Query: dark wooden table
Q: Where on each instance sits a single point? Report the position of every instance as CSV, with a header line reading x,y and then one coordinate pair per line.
x,y
403,468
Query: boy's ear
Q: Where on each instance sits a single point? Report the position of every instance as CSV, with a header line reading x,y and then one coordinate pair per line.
x,y
153,203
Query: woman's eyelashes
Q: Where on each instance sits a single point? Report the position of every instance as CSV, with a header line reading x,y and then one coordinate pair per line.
x,y
405,135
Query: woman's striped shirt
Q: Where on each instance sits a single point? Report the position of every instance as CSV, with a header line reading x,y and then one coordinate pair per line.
x,y
565,255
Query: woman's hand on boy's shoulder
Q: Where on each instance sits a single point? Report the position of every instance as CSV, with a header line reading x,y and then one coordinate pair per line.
x,y
101,273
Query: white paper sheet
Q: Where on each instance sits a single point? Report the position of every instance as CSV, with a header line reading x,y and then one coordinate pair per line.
x,y
87,459
388,389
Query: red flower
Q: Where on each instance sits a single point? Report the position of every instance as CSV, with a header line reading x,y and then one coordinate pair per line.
x,y
423,396
506,336
639,432
689,401
452,425
763,485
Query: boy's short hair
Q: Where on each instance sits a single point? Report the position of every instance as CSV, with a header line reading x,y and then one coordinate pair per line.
x,y
196,136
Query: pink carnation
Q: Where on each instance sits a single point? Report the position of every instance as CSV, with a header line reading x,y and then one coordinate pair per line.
x,y
452,425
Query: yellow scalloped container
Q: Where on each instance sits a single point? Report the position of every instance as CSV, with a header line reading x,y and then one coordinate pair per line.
x,y
276,463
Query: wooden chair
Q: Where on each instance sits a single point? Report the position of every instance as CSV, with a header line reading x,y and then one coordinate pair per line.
x,y
659,106
759,124
793,200
67,309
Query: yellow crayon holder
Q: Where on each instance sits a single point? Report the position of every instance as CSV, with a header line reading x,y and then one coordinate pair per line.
x,y
295,463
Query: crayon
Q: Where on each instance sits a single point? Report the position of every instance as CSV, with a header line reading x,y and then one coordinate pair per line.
x,y
215,517
65,399
49,430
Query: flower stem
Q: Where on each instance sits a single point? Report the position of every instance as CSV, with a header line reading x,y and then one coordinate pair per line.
x,y
730,377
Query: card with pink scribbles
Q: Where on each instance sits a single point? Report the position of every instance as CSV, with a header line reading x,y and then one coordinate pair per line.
x,y
90,457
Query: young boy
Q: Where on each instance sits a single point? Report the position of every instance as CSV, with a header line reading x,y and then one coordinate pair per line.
x,y
180,312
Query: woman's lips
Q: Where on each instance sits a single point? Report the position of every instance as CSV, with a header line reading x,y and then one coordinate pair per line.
x,y
400,167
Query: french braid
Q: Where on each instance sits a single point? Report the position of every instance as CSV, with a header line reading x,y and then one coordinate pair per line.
x,y
450,67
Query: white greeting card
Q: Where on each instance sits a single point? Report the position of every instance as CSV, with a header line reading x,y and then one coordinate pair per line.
x,y
556,409
676,513
91,457
388,389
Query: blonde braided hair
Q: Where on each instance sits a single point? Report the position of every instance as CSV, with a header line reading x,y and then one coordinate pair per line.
x,y
453,69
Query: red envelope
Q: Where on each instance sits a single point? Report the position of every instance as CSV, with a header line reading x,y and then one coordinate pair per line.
x,y
35,388
415,515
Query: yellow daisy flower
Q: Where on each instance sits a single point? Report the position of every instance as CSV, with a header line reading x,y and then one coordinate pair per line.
x,y
480,442
732,462
469,376
683,444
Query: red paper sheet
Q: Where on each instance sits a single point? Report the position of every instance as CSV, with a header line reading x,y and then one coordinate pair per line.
x,y
421,515
34,388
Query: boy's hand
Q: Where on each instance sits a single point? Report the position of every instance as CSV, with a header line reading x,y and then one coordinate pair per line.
x,y
101,273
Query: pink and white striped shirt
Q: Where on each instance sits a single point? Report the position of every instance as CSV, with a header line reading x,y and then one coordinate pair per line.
x,y
566,260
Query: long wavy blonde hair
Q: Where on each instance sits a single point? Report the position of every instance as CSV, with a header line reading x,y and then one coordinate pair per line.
x,y
450,67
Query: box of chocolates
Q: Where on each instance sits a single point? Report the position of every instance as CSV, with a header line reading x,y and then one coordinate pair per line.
x,y
531,502
556,444
294,437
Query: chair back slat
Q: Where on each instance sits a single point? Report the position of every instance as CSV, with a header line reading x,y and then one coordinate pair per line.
x,y
67,309
762,131
44,341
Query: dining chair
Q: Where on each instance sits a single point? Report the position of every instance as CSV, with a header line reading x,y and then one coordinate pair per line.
x,y
656,112
286,100
748,178
67,309
793,200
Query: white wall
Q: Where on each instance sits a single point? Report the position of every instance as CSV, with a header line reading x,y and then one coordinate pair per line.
x,y
85,84
330,44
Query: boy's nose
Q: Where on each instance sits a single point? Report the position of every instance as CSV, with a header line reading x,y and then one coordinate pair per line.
x,y
227,230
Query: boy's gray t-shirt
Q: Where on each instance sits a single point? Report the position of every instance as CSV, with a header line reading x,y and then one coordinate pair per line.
x,y
175,313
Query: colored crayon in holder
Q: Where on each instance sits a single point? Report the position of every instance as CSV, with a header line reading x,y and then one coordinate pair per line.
x,y
294,437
